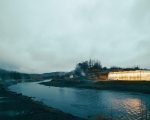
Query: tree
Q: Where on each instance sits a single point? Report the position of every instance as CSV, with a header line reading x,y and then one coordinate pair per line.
x,y
84,66
90,63
15,75
96,64
78,70
3,76
104,68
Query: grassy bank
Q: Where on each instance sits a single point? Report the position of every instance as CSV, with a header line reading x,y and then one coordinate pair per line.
x,y
64,83
17,107
130,86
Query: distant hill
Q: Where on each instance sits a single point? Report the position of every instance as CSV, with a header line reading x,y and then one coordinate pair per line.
x,y
54,73
48,74
13,75
3,71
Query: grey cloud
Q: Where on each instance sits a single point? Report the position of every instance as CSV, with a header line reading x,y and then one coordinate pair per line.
x,y
140,12
45,36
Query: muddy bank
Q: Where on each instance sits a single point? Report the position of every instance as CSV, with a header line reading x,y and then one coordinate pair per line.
x,y
130,86
17,107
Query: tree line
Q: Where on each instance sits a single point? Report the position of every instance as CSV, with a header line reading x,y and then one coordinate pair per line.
x,y
9,75
83,68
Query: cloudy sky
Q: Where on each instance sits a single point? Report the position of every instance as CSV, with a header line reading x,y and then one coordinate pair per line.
x,y
39,36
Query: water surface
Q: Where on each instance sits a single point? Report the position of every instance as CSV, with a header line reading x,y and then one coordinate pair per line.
x,y
88,103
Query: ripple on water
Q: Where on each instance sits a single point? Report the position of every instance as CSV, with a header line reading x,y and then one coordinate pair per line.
x,y
85,102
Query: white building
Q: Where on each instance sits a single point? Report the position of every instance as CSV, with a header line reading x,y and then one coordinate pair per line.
x,y
130,75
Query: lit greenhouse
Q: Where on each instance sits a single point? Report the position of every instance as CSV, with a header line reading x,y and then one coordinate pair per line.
x,y
130,75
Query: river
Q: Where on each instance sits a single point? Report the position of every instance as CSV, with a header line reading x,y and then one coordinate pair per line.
x,y
88,103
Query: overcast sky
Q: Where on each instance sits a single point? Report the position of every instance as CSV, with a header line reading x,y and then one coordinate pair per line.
x,y
39,36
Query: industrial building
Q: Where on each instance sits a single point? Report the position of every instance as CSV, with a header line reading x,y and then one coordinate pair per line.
x,y
137,75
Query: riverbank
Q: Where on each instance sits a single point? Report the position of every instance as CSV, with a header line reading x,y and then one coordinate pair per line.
x,y
129,86
64,83
18,107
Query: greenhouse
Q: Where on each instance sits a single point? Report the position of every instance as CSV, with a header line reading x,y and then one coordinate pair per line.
x,y
130,75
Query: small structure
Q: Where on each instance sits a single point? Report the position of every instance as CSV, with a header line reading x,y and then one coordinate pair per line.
x,y
71,76
136,75
103,76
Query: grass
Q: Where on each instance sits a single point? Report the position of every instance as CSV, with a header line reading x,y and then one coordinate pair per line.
x,y
64,83
130,86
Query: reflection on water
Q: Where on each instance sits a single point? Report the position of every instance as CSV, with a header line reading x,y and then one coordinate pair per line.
x,y
132,108
133,105
85,102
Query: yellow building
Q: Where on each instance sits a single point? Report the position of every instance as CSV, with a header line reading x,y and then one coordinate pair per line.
x,y
130,75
